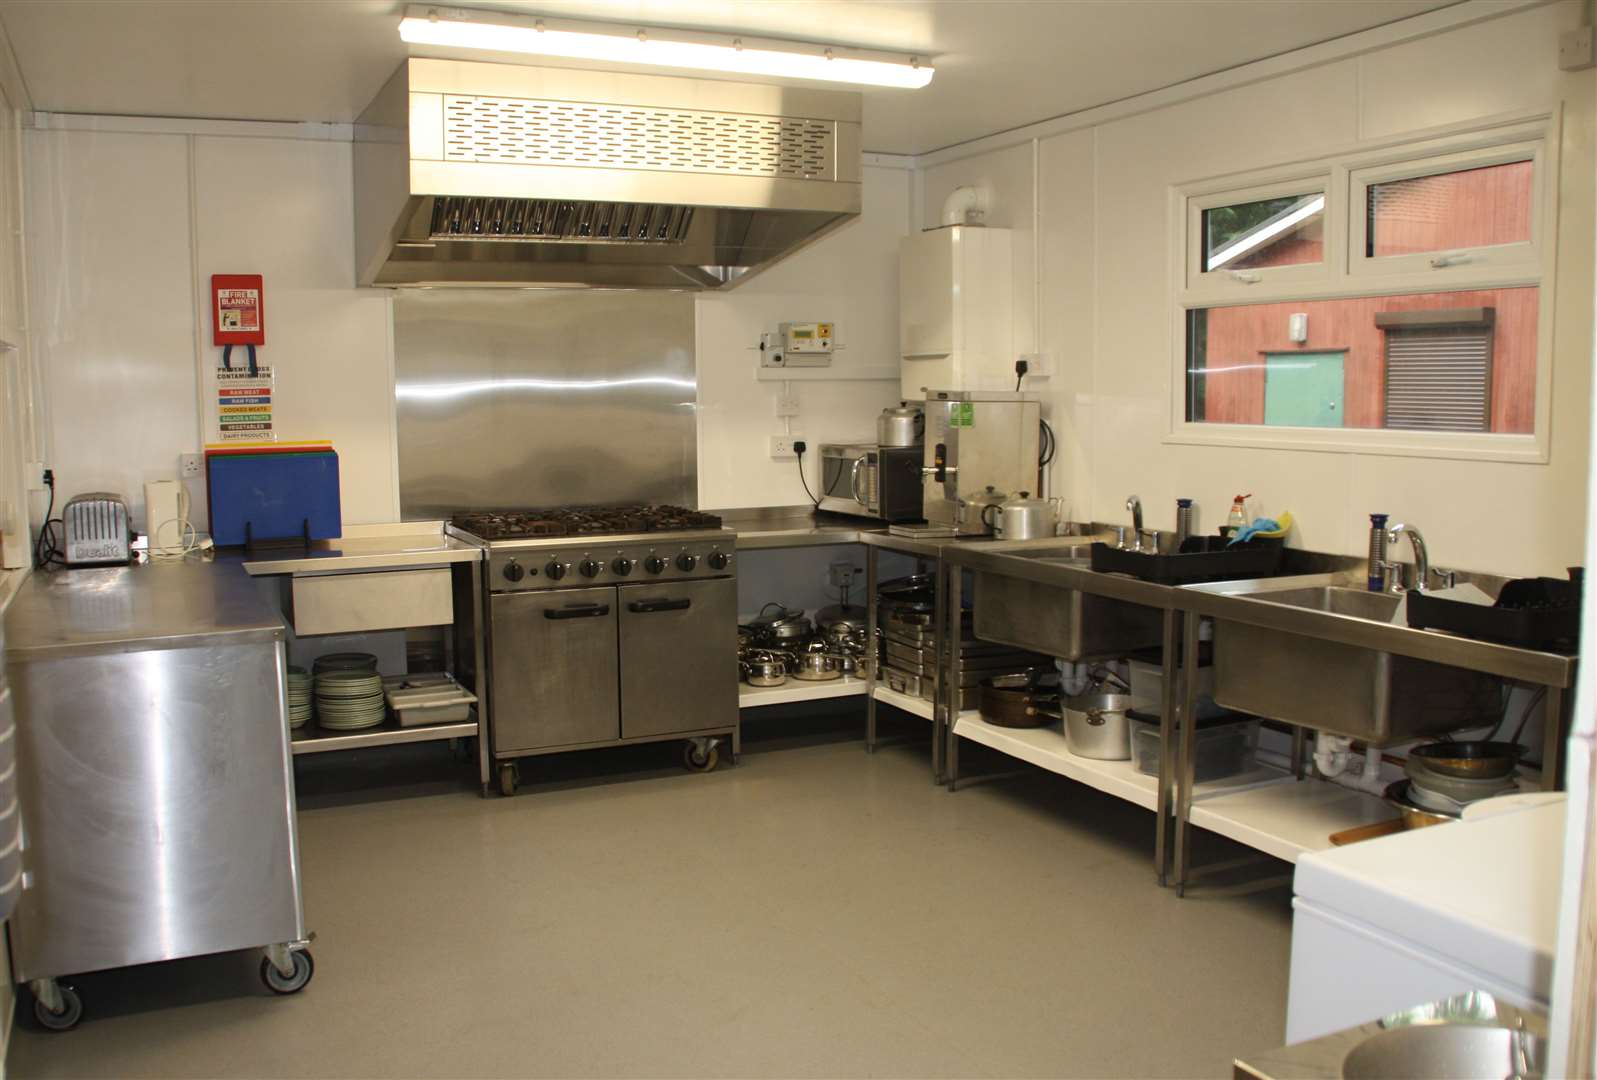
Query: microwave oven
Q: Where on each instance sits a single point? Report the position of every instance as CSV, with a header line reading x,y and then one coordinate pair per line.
x,y
874,481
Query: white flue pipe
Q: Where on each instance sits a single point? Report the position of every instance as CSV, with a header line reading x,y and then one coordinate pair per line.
x,y
965,205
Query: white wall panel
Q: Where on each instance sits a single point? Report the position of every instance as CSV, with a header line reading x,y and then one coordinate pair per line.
x,y
1492,67
282,208
113,311
1068,238
851,278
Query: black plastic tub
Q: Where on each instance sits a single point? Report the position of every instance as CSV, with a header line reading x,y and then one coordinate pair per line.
x,y
1201,558
1533,613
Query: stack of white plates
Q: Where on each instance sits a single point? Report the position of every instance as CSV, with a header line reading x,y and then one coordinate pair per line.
x,y
349,700
299,696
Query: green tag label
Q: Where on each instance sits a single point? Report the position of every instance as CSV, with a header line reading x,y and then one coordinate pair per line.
x,y
963,415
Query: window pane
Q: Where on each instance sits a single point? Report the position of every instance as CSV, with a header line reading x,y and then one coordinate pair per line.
x,y
1447,361
1286,231
1473,208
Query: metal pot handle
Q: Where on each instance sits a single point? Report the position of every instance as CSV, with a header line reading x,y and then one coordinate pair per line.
x,y
1096,717
990,506
853,480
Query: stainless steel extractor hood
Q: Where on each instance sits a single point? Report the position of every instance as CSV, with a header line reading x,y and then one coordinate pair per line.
x,y
476,174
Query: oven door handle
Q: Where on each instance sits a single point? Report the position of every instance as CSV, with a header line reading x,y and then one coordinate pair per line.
x,y
578,611
645,607
853,481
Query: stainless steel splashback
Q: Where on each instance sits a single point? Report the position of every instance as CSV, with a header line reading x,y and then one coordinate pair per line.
x,y
544,398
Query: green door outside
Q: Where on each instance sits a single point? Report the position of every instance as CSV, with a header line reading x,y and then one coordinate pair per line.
x,y
1303,389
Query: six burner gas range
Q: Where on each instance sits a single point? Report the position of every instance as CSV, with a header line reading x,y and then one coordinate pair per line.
x,y
607,626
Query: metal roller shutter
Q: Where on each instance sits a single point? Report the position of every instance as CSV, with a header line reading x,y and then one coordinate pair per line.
x,y
1439,375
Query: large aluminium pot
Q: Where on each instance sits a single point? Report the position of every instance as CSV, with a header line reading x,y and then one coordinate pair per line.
x,y
902,425
1096,725
1021,517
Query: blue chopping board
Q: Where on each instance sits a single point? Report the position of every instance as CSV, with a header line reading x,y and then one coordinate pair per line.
x,y
276,495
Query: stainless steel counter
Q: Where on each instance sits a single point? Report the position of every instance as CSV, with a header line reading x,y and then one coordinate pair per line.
x,y
153,773
401,546
131,608
766,527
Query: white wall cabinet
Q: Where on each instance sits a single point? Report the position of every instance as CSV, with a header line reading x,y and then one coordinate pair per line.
x,y
955,313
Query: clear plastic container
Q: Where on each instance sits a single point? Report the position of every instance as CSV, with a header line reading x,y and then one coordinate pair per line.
x,y
1226,746
1147,690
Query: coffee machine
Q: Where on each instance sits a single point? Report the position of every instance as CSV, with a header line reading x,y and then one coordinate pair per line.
x,y
981,445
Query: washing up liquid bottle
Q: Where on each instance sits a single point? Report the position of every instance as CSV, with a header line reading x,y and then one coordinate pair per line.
x,y
1238,517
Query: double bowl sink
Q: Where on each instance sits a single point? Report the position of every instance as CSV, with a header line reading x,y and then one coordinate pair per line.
x,y
1314,650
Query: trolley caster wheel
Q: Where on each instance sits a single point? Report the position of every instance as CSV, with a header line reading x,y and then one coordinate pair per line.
x,y
65,1020
696,758
509,778
278,983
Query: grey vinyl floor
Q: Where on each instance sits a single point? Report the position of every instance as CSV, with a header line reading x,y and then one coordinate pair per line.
x,y
816,911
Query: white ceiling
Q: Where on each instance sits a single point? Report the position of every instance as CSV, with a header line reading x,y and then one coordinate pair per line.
x,y
1000,63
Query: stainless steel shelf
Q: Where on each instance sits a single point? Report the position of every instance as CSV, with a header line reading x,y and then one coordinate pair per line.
x,y
313,740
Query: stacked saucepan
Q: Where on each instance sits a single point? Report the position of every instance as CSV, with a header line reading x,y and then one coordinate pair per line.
x,y
1445,777
782,642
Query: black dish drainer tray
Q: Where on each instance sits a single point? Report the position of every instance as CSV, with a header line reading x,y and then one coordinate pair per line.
x,y
1533,613
1201,558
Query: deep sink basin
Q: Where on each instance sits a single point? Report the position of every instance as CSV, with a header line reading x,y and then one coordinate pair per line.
x,y
1446,1052
1338,600
1300,674
1057,620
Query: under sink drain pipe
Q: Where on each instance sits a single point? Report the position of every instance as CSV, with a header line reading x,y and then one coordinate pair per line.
x,y
1330,754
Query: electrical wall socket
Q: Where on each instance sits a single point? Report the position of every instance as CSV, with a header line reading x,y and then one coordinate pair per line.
x,y
840,575
1576,49
189,466
782,446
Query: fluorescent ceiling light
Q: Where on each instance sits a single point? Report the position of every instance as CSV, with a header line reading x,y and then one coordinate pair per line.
x,y
623,44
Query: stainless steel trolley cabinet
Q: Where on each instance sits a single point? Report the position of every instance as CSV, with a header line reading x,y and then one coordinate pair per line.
x,y
154,775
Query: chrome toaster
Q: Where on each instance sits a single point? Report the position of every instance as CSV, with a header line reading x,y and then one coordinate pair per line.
x,y
95,529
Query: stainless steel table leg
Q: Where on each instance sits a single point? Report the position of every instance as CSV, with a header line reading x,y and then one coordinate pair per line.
x,y
480,666
1300,739
947,602
953,758
1554,732
1188,739
872,637
1167,710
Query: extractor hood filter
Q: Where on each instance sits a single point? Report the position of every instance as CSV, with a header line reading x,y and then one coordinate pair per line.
x,y
487,174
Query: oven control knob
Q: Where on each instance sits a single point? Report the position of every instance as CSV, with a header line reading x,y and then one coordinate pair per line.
x,y
514,571
590,568
622,567
654,564
555,570
717,560
686,562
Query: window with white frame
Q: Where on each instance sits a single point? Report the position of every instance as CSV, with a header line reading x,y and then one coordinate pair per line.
x,y
1389,297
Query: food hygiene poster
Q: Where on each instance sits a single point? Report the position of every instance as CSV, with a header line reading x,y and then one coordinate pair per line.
x,y
244,404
